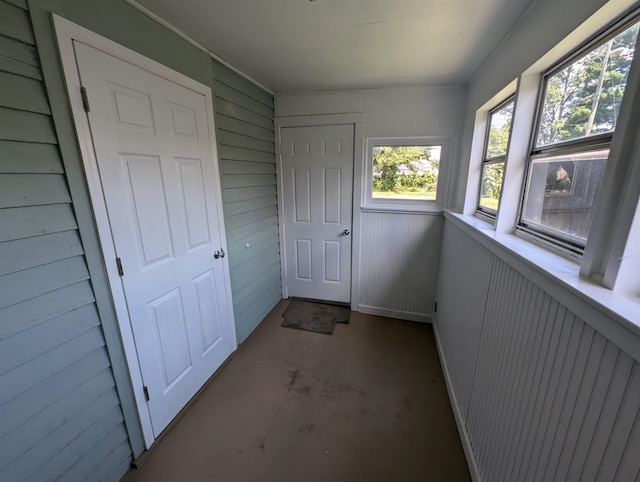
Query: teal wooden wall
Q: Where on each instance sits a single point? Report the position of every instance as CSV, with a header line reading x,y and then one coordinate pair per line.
x,y
66,404
60,414
244,120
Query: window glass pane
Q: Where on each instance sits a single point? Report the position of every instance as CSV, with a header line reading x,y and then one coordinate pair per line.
x,y
491,185
562,192
583,99
499,130
405,172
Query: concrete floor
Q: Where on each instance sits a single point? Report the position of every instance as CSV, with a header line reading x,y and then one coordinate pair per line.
x,y
367,403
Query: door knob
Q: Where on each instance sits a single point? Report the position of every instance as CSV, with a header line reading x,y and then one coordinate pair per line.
x,y
346,232
219,254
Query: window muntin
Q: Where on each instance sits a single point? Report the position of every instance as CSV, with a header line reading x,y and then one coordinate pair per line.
x,y
576,120
408,172
496,147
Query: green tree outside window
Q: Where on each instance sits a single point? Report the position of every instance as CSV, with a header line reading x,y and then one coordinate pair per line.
x,y
405,172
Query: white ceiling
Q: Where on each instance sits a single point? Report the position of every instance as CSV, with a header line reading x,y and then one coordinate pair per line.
x,y
303,45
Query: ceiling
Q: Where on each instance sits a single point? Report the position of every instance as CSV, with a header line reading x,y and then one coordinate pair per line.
x,y
320,45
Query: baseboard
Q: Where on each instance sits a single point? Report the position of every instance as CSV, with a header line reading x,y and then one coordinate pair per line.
x,y
400,315
457,413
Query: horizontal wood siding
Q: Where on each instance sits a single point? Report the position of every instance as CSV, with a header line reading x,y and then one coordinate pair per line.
x,y
246,148
542,394
60,415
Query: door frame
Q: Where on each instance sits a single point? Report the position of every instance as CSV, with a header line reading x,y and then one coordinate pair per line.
x,y
357,120
66,32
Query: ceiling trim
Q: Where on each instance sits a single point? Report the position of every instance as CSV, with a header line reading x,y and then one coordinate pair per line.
x,y
198,45
318,120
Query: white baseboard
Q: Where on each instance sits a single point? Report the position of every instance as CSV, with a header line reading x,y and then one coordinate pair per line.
x,y
400,315
457,413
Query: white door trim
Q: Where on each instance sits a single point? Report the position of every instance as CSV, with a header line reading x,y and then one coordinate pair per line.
x,y
357,120
66,33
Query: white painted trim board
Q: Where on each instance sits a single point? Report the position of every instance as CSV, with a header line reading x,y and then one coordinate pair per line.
x,y
144,10
357,119
399,315
472,463
369,203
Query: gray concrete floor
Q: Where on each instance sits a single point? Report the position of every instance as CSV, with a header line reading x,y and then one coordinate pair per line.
x,y
368,403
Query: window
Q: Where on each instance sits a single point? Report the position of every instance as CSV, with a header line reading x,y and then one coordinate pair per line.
x,y
576,120
495,156
406,172
403,173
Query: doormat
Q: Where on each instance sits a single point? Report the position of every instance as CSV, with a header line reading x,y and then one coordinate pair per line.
x,y
315,317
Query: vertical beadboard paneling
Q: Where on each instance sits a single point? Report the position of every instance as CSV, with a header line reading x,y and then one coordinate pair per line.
x,y
461,333
246,147
56,378
550,398
399,256
623,428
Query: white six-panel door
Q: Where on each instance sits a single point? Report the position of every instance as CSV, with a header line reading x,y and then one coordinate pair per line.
x,y
153,149
317,177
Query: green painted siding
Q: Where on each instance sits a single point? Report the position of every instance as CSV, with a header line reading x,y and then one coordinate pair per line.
x,y
246,147
60,413
69,412
244,129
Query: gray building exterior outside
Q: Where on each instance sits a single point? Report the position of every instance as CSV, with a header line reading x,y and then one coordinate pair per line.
x,y
66,407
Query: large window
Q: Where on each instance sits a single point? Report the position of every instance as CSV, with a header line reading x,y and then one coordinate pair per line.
x,y
495,156
576,120
403,173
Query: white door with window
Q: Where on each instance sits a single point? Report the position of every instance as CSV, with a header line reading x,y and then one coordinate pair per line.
x,y
160,185
317,165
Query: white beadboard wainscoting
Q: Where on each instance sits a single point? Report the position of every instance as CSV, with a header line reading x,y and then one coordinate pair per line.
x,y
399,259
540,393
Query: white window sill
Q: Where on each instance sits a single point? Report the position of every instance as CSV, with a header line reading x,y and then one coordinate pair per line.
x,y
402,206
615,315
400,210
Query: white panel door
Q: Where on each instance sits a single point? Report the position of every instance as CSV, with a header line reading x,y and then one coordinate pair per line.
x,y
317,179
159,181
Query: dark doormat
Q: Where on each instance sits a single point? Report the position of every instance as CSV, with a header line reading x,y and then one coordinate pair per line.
x,y
316,317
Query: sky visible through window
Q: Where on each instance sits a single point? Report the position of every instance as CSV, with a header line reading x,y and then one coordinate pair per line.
x,y
583,99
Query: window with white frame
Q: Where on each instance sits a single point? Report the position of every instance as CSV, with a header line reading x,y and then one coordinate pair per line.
x,y
403,173
495,156
575,124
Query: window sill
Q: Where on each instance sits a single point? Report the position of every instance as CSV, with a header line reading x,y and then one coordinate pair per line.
x,y
436,211
486,217
401,206
615,315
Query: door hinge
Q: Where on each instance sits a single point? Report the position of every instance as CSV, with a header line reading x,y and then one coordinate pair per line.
x,y
146,392
119,264
85,99
435,307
